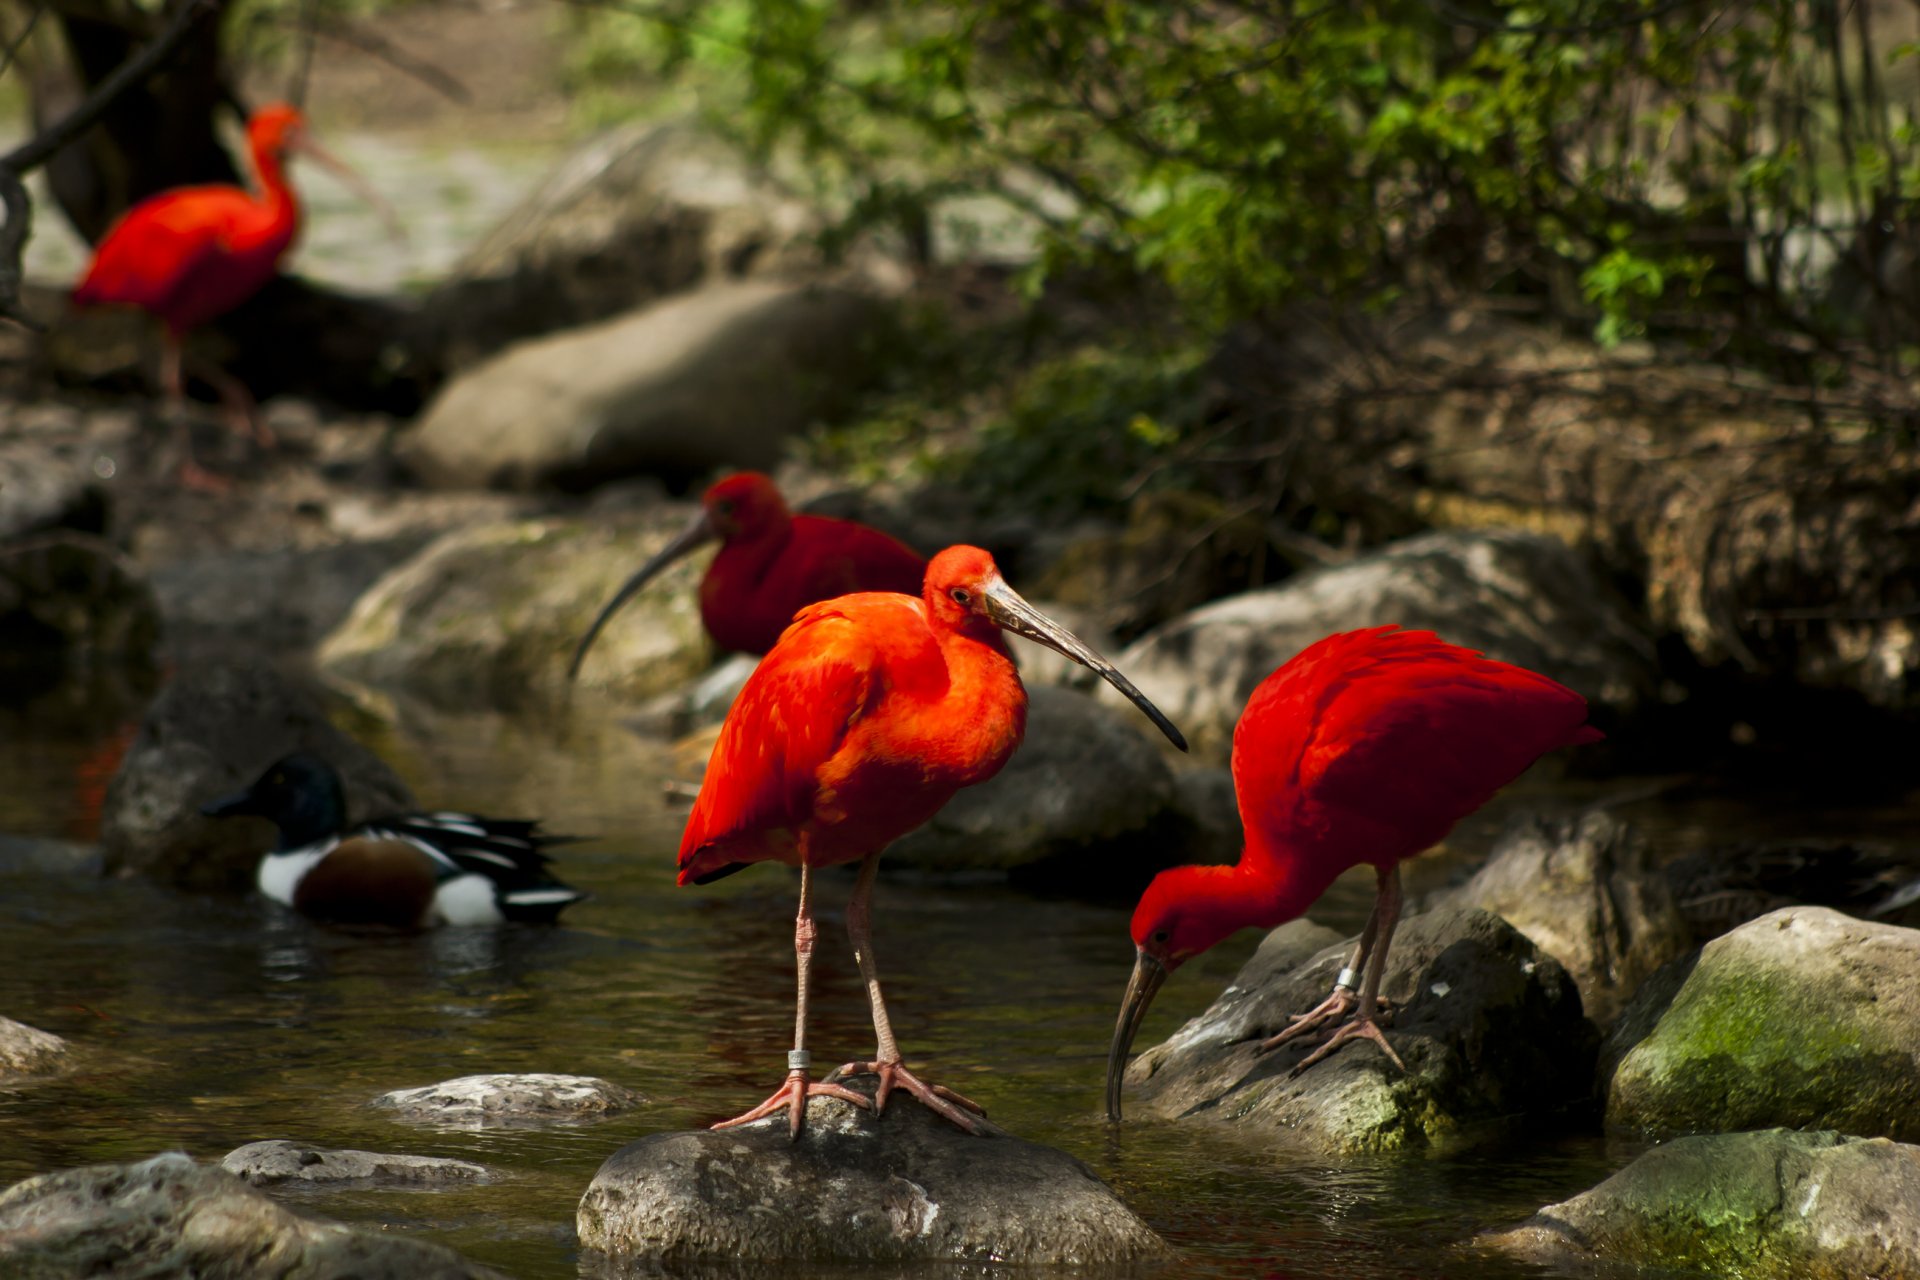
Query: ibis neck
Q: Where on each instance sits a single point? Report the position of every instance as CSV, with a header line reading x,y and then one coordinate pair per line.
x,y
1252,893
985,703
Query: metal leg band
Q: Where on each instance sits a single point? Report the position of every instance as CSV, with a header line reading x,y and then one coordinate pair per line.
x,y
799,1060
1348,980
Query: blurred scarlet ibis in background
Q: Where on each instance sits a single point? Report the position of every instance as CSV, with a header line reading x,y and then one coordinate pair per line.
x,y
190,255
771,565
1365,747
866,718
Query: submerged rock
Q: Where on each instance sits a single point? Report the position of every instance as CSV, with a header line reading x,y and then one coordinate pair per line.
x,y
533,1098
903,1187
717,377
1805,1017
74,595
1519,597
213,730
1585,890
1084,784
1489,1026
494,613
28,1051
267,1164
1777,1203
169,1217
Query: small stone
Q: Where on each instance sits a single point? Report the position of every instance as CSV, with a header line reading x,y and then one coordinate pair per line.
x,y
28,1051
509,1101
266,1164
903,1187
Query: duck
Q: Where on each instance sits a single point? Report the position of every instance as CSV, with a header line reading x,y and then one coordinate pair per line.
x,y
414,870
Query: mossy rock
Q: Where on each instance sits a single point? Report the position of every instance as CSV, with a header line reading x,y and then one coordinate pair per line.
x,y
1804,1017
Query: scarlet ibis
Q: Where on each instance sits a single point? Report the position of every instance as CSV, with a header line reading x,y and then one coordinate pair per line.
x,y
190,255
410,870
866,717
771,564
1365,747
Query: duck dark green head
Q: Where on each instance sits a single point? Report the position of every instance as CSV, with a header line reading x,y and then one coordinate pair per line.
x,y
300,794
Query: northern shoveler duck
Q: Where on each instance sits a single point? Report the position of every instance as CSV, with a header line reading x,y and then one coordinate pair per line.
x,y
413,870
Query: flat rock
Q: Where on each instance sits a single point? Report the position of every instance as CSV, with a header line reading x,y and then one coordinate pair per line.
x,y
1805,1017
214,729
1519,597
721,376
28,1051
1489,1026
266,1164
905,1186
170,1217
494,613
1585,890
47,482
1773,1204
1085,784
535,1098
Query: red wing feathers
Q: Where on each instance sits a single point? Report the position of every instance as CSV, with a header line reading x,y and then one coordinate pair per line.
x,y
156,246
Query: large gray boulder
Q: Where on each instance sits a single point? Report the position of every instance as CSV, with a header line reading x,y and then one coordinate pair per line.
x,y
1085,784
213,730
170,1217
719,377
1772,1205
1520,597
28,1051
903,1187
1585,890
491,615
1804,1017
1488,1025
632,215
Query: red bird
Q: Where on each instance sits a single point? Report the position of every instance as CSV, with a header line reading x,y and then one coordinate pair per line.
x,y
1364,748
771,565
866,718
192,254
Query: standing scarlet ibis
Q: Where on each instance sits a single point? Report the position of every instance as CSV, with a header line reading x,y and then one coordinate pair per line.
x,y
1365,747
866,718
190,255
771,565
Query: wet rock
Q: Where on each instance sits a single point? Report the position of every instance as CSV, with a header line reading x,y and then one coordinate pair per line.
x,y
1721,888
1585,890
1519,597
49,483
171,1217
1773,1204
902,1187
28,1051
633,215
39,855
1804,1017
1489,1026
476,1102
210,732
718,377
266,1164
493,614
74,595
1085,784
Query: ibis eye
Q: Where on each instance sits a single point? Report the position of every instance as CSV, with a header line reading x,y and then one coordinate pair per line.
x,y
724,507
960,595
1160,937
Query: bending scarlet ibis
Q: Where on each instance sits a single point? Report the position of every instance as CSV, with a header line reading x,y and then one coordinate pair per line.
x,y
771,565
1365,747
190,255
866,718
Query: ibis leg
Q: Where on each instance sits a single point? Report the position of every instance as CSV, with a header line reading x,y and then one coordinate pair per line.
x,y
1364,1024
1344,997
243,414
799,1085
886,1063
174,388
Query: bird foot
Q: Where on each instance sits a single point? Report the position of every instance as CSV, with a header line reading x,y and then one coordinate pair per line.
x,y
942,1101
194,476
793,1095
1342,1002
1358,1029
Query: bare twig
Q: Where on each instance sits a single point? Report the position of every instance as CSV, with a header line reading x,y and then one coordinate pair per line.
x,y
13,242
19,42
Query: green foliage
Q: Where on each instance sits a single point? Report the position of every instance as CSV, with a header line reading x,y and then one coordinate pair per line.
x,y
1624,167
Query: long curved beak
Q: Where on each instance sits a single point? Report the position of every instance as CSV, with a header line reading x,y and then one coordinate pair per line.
x,y
350,178
1008,610
700,530
1148,974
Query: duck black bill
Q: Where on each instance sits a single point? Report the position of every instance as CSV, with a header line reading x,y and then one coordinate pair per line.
x,y
1009,611
698,532
233,806
1148,974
